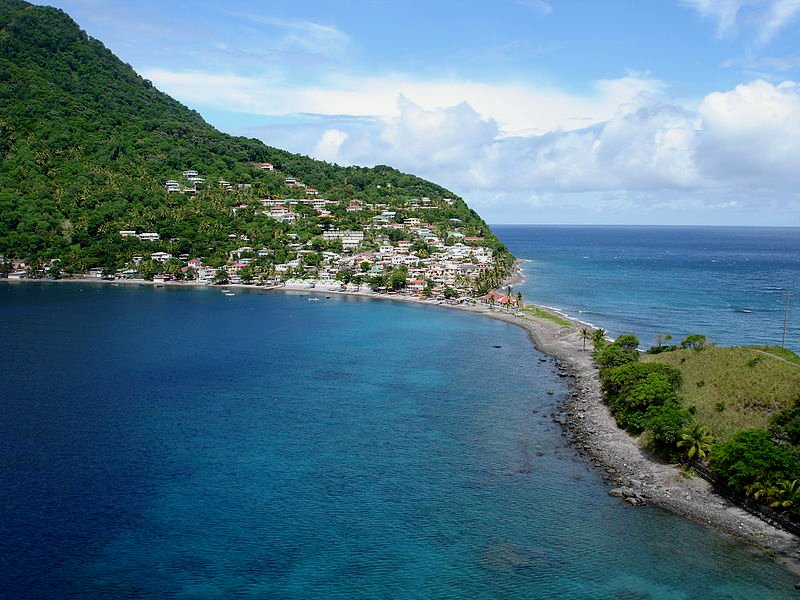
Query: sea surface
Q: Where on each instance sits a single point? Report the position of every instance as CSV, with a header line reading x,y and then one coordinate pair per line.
x,y
728,283
179,443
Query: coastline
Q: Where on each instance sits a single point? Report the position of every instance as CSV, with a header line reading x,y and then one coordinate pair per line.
x,y
588,423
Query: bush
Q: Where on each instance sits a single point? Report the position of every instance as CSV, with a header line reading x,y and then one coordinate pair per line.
x,y
664,425
695,342
618,379
632,388
747,456
785,426
630,406
613,356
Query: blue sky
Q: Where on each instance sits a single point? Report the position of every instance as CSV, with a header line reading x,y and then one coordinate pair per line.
x,y
629,112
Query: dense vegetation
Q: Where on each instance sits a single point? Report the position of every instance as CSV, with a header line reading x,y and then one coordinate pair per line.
x,y
87,146
736,409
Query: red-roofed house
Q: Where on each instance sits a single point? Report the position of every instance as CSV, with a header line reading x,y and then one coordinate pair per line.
x,y
495,298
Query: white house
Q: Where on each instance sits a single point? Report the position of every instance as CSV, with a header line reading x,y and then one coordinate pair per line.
x,y
161,257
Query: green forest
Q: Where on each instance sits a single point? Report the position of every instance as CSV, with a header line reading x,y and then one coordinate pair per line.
x,y
87,146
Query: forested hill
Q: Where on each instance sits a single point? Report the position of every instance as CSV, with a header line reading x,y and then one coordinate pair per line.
x,y
87,146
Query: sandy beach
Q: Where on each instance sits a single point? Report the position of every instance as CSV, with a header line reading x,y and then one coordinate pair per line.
x,y
592,429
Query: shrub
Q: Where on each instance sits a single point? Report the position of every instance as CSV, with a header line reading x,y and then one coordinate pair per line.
x,y
785,426
742,460
617,380
664,424
695,342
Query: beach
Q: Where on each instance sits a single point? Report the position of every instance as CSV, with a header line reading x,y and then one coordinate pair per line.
x,y
586,420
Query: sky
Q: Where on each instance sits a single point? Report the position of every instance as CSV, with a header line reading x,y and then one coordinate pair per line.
x,y
663,112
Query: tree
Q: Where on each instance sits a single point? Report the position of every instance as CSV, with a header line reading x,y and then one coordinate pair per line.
x,y
631,406
696,441
397,278
344,275
745,457
521,304
599,338
627,342
784,426
664,424
695,342
787,494
585,334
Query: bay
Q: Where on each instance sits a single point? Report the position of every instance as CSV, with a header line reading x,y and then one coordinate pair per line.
x,y
184,444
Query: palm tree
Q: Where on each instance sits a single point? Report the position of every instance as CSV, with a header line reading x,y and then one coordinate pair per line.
x,y
585,334
598,338
697,441
787,494
763,488
520,304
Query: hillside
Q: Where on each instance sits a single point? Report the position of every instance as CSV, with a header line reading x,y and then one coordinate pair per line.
x,y
88,147
732,413
734,388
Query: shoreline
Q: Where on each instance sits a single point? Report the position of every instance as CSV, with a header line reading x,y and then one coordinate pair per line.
x,y
588,423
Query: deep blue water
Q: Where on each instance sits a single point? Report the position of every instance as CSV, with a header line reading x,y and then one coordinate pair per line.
x,y
160,443
728,283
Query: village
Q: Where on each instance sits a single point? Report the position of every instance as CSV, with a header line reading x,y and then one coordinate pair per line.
x,y
397,246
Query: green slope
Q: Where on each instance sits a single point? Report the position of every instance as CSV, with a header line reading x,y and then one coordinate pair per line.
x,y
734,388
87,145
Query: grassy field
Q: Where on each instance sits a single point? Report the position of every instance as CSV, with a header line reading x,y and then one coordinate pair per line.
x,y
543,313
735,388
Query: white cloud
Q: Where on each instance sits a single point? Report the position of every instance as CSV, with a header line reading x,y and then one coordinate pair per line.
x,y
646,145
752,132
302,36
766,17
518,108
329,144
724,12
539,6
729,153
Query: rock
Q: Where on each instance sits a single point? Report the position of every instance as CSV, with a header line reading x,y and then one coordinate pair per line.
x,y
617,493
632,501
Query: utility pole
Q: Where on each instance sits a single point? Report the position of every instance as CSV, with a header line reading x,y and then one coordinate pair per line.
x,y
785,318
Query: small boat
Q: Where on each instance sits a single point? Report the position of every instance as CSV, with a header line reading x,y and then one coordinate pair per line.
x,y
496,346
224,291
229,294
314,299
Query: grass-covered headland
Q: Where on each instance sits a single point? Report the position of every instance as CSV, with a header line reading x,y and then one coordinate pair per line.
x,y
734,413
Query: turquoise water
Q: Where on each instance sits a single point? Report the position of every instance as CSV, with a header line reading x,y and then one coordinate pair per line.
x,y
160,443
729,283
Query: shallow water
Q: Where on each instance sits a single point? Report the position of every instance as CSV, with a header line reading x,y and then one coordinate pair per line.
x,y
183,444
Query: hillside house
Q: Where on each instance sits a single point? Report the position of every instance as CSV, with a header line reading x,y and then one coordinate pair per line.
x,y
161,257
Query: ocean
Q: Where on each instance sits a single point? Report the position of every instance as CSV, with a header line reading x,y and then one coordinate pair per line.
x,y
179,443
728,283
